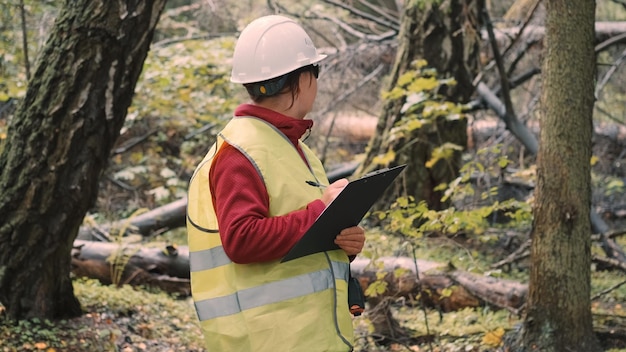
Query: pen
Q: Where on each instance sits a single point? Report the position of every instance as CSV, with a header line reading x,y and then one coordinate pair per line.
x,y
315,184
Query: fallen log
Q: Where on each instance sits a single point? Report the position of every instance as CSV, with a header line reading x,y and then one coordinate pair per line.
x,y
166,217
436,285
166,268
604,30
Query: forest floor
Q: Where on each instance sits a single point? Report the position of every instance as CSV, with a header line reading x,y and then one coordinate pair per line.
x,y
129,319
123,319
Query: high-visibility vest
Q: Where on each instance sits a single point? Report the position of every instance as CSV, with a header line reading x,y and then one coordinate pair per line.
x,y
299,305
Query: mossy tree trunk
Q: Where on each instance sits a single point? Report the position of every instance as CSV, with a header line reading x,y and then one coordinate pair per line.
x,y
59,143
558,316
445,34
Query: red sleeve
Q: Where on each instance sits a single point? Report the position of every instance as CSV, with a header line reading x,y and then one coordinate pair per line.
x,y
242,205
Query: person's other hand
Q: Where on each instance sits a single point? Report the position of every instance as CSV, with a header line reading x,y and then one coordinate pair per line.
x,y
331,192
351,240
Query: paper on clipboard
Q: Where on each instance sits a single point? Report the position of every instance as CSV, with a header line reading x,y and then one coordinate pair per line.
x,y
347,210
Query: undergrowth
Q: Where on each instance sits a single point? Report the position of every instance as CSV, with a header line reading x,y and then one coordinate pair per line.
x,y
115,319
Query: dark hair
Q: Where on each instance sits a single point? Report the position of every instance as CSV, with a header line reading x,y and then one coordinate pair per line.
x,y
287,83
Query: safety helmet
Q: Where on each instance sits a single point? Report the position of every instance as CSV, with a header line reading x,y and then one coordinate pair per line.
x,y
270,47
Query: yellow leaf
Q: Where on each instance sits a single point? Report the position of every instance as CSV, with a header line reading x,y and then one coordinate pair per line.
x,y
384,159
423,84
41,345
405,79
420,63
446,292
494,337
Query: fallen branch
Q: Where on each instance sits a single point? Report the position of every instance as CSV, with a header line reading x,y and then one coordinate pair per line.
x,y
165,268
166,217
437,285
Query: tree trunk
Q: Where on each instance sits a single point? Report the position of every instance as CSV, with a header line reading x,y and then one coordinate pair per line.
x,y
558,316
446,36
58,144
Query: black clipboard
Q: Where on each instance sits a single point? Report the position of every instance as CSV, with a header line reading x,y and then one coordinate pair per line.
x,y
347,210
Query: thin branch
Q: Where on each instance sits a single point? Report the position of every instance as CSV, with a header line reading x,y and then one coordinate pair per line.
x,y
174,40
520,55
524,76
516,81
523,27
391,17
177,11
121,184
522,252
133,142
363,36
518,34
610,73
343,97
25,39
395,26
608,114
615,263
504,80
618,39
200,130
608,290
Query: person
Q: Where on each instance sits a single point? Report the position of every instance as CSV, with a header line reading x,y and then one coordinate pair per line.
x,y
254,195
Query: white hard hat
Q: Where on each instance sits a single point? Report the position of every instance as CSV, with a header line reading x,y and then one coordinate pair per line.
x,y
270,47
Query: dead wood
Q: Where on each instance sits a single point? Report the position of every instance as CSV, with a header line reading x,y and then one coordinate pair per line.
x,y
437,285
535,33
129,275
166,217
161,219
166,268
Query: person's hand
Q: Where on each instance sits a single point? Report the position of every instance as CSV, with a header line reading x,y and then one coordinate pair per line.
x,y
331,192
351,240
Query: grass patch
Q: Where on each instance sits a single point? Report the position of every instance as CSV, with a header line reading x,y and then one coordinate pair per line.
x,y
115,319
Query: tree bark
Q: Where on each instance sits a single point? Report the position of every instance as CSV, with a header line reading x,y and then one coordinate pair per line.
x,y
58,144
446,36
558,316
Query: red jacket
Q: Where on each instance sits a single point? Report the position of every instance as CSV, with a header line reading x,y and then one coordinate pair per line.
x,y
242,203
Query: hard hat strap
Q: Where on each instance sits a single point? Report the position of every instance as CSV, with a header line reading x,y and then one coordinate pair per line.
x,y
269,88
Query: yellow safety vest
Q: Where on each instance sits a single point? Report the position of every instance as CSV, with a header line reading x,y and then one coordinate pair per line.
x,y
300,305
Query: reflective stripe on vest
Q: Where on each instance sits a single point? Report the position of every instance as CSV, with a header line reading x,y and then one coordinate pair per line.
x,y
270,293
208,259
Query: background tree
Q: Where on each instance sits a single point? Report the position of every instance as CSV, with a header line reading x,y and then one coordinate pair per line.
x,y
58,144
445,35
558,316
